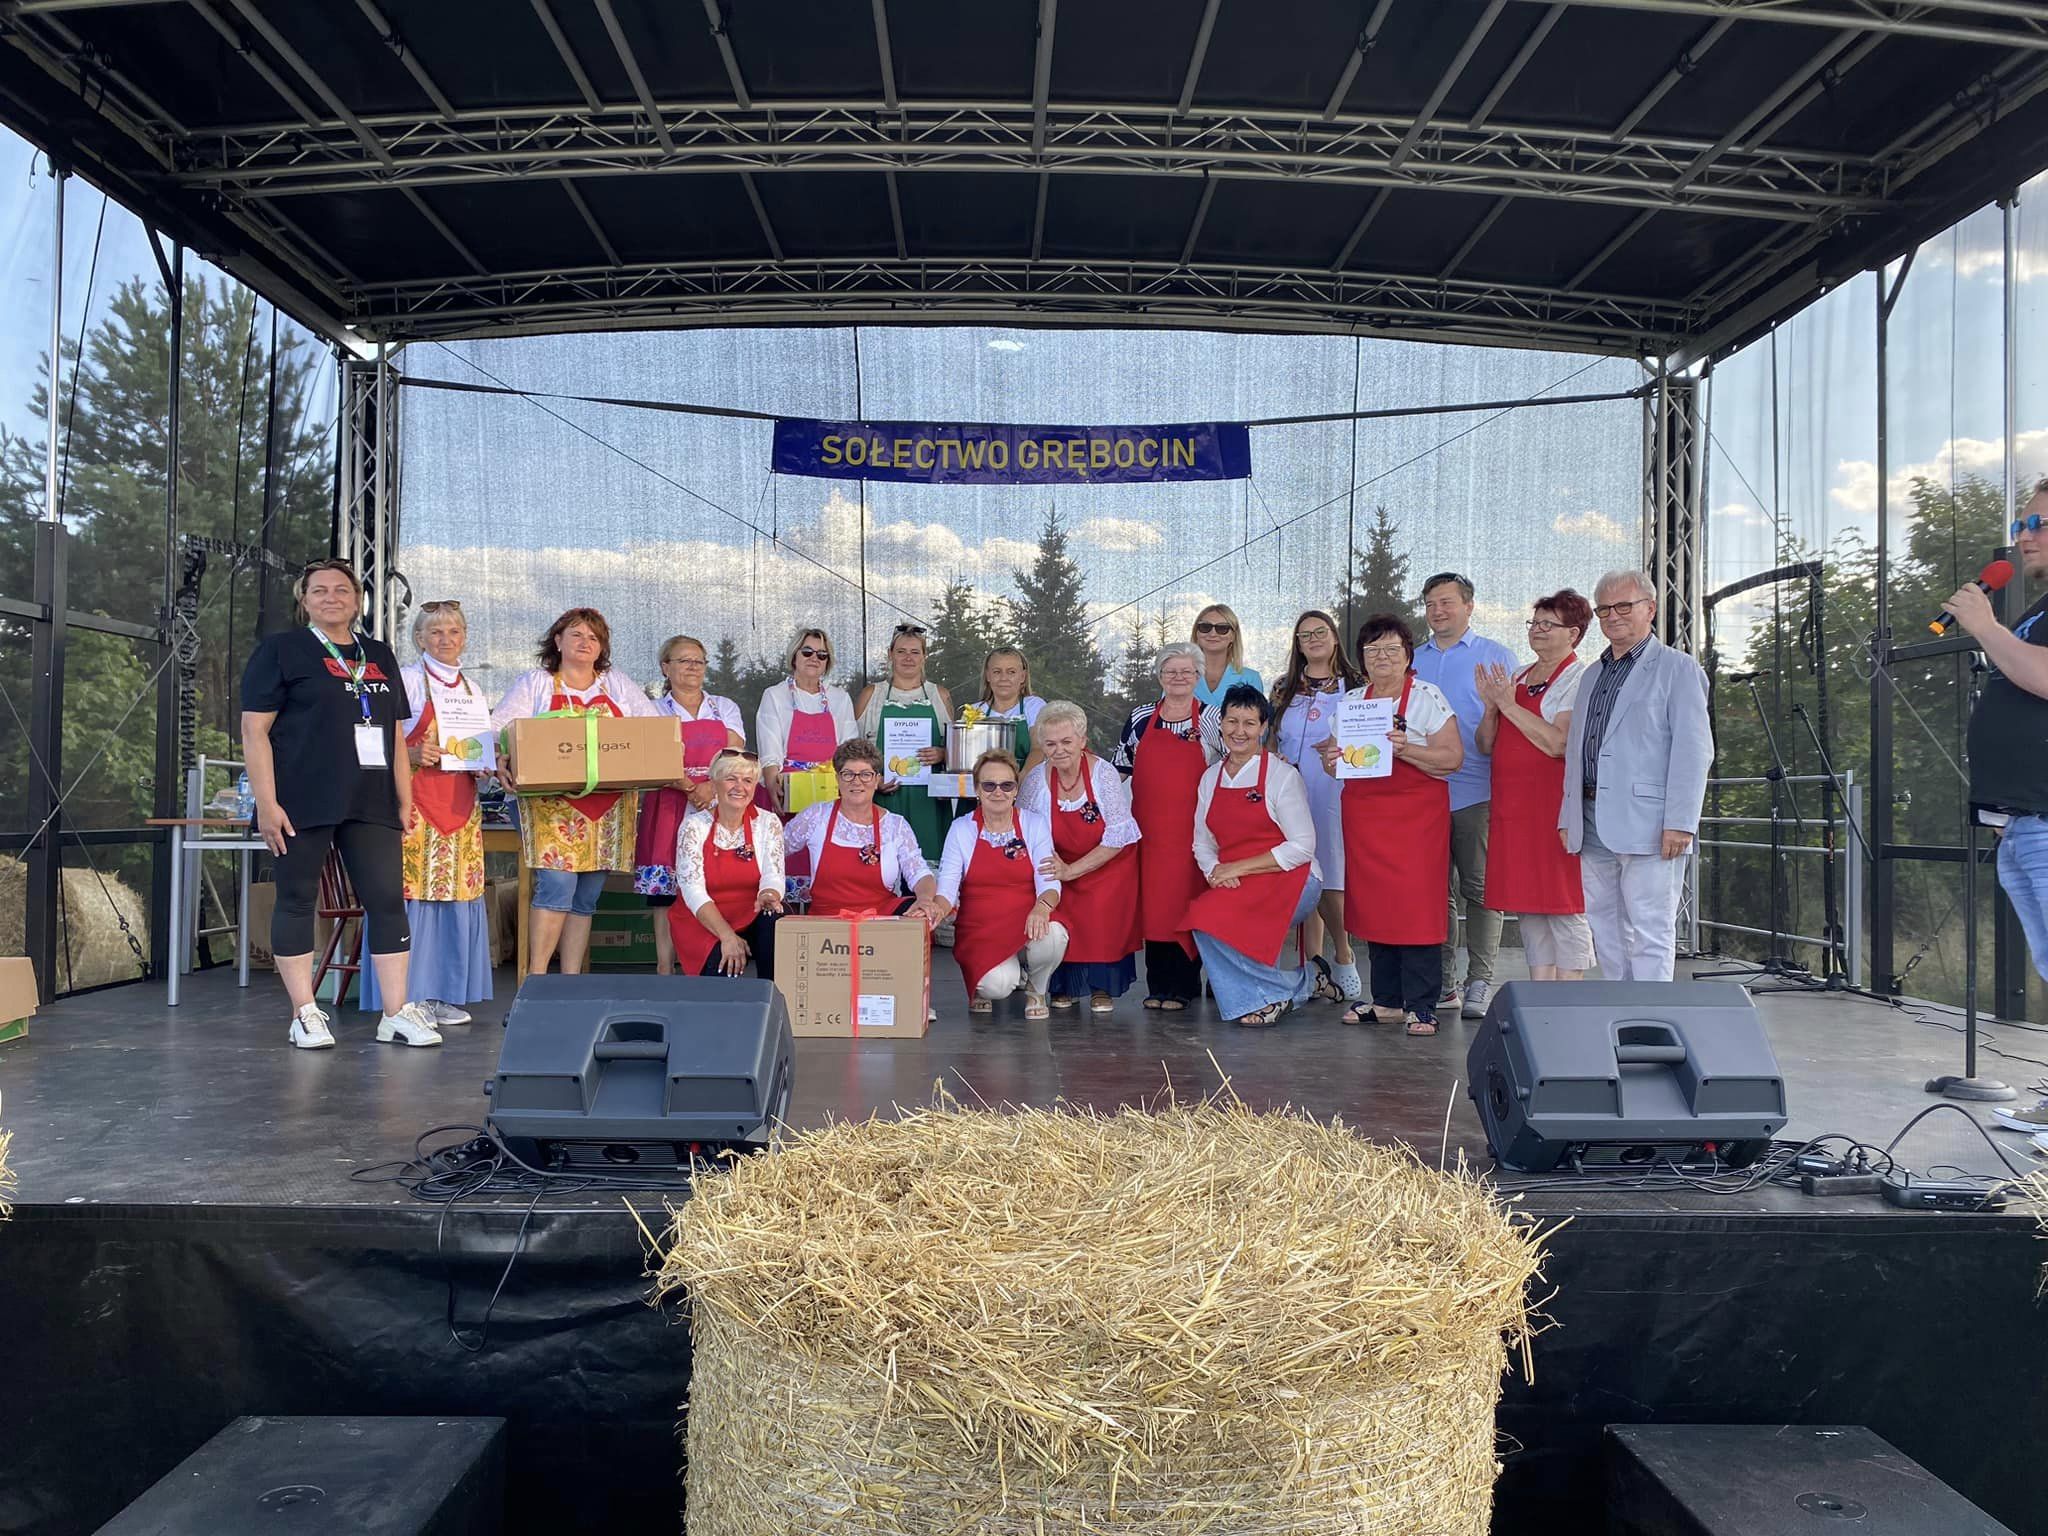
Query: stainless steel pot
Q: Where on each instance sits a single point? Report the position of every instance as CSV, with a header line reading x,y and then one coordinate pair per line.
x,y
965,743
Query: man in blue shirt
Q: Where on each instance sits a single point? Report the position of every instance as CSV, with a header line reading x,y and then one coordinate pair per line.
x,y
1450,659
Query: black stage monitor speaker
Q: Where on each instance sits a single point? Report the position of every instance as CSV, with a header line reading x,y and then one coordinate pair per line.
x,y
1624,1074
634,1071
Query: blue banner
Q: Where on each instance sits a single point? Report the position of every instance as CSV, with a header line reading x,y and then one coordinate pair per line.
x,y
957,453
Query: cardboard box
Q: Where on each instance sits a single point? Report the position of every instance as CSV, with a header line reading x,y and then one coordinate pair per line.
x,y
548,756
18,999
814,971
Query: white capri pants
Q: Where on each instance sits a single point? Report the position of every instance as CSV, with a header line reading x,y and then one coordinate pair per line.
x,y
1037,961
1562,939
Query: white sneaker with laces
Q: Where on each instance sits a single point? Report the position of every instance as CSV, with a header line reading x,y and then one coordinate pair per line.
x,y
2034,1119
408,1026
439,1013
309,1029
1477,995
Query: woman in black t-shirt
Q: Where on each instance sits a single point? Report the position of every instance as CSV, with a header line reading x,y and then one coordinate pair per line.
x,y
322,713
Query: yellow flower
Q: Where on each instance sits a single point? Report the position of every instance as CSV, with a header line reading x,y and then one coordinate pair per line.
x,y
971,715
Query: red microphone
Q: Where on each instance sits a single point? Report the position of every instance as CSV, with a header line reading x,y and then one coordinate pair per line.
x,y
1992,579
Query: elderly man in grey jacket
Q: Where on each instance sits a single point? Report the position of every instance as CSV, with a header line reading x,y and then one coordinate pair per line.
x,y
1635,774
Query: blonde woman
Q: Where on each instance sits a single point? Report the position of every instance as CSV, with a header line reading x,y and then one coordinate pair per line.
x,y
709,725
802,719
907,694
1220,638
729,878
1006,695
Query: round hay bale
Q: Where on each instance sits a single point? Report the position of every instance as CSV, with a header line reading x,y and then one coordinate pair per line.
x,y
1201,1319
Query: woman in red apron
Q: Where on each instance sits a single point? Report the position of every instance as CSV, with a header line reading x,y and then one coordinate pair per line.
x,y
1528,718
1165,748
571,842
1084,799
989,874
864,861
1255,841
1397,835
709,725
728,863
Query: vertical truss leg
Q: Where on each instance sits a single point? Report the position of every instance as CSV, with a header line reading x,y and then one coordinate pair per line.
x,y
1674,539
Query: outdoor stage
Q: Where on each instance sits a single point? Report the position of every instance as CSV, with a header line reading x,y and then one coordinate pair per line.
x,y
188,1245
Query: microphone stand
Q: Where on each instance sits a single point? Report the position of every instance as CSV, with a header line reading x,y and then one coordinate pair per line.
x,y
1970,1086
1777,964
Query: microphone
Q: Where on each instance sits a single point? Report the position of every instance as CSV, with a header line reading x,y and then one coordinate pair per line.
x,y
1992,579
1750,677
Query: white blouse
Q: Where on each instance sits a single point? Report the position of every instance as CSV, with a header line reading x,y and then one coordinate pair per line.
x,y
1428,709
724,711
778,706
414,676
960,838
698,825
1562,693
903,863
530,694
1111,795
1286,803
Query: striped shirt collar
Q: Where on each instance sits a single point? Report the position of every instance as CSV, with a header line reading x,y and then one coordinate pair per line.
x,y
1608,658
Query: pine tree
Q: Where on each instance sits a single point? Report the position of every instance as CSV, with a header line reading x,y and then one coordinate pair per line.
x,y
1052,622
966,625
723,675
1136,680
1376,580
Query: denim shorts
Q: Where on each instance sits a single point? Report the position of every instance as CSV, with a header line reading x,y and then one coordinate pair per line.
x,y
561,890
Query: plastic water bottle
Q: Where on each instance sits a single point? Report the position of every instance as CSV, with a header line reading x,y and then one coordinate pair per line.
x,y
245,799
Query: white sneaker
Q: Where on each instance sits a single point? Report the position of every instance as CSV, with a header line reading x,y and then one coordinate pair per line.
x,y
439,1013
408,1026
310,1031
1477,994
2034,1119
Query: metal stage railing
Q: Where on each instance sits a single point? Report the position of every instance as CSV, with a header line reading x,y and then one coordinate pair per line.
x,y
1848,850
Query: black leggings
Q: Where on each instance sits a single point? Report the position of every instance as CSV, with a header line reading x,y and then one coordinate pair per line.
x,y
372,855
760,937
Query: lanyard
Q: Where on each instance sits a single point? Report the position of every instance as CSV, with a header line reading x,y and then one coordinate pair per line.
x,y
354,671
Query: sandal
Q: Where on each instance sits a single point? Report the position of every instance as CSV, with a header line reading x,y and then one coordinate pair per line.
x,y
1362,1013
1419,1026
1154,1004
1326,988
1173,1005
1063,1003
1262,1018
1034,1007
981,1005
1101,1002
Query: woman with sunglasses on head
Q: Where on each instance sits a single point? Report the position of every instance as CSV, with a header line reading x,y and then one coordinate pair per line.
x,y
1220,638
1304,703
863,860
1165,747
321,739
1006,695
994,875
1255,843
571,842
728,863
1083,799
709,725
444,850
1527,722
907,694
1397,835
802,719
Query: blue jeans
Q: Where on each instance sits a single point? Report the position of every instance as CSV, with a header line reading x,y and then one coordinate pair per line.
x,y
1243,985
2023,871
562,890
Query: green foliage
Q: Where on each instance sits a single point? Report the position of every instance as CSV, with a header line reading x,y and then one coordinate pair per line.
x,y
965,627
1136,681
1376,580
1052,616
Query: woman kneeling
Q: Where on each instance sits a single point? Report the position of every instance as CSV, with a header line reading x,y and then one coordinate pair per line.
x,y
728,877
994,872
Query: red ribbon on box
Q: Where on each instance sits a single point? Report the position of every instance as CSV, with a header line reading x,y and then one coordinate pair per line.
x,y
854,920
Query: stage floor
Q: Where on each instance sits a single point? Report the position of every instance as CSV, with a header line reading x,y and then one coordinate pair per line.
x,y
116,1098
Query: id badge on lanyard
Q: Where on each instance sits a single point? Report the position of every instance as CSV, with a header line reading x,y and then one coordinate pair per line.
x,y
371,745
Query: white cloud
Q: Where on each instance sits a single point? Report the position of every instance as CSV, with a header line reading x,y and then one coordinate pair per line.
x,y
1119,535
1592,524
1740,513
1855,487
1005,344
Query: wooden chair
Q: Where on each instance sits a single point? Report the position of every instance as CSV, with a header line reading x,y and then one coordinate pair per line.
x,y
341,954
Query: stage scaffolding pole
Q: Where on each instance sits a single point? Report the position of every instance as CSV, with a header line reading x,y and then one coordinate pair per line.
x,y
41,920
2008,938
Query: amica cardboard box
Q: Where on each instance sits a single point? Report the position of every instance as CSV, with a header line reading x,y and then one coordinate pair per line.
x,y
17,997
884,996
548,756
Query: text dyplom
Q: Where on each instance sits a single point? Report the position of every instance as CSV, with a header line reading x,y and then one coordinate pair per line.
x,y
969,453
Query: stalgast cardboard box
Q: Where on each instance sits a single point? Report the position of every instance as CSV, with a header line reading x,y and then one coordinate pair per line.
x,y
548,755
815,972
17,997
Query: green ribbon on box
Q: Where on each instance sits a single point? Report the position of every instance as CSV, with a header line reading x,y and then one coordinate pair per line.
x,y
589,719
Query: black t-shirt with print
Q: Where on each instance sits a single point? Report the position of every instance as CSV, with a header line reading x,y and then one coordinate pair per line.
x,y
2009,734
313,739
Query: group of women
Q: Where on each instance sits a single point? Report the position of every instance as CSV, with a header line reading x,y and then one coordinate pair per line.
x,y
1214,829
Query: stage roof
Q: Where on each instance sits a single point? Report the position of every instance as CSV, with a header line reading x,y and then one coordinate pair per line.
x,y
1632,176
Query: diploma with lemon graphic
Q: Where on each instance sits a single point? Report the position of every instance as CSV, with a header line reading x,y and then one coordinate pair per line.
x,y
1362,728
902,740
462,722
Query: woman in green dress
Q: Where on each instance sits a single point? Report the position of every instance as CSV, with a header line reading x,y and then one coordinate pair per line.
x,y
908,695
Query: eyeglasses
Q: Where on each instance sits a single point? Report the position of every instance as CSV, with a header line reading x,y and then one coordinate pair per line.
x,y
1211,627
1544,626
858,775
997,786
1609,610
684,661
812,653
445,605
909,629
1383,652
2031,523
1318,633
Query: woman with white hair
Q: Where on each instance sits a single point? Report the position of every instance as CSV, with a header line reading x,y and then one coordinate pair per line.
x,y
728,877
1165,747
443,857
800,723
1092,832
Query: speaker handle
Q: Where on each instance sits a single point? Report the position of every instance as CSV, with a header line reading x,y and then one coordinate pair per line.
x,y
638,1040
1647,1045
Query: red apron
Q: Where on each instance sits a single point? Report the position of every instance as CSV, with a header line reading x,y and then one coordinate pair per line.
x,y
1527,869
1164,783
732,879
662,810
1253,919
593,807
811,738
847,882
997,893
443,799
1100,910
1397,853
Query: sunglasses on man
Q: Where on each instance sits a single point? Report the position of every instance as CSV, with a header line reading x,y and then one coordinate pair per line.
x,y
2031,523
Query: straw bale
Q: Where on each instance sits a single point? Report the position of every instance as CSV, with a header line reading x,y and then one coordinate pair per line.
x,y
1197,1319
